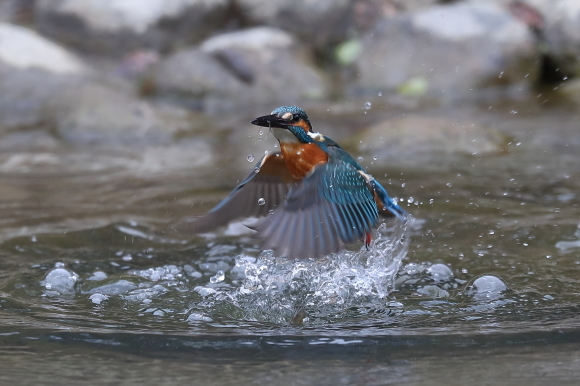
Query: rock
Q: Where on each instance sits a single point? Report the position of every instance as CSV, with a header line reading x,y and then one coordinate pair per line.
x,y
44,86
97,114
250,67
27,61
556,24
24,49
571,90
454,49
118,26
411,136
16,11
562,34
318,22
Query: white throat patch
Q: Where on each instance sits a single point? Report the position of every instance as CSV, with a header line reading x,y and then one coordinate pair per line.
x,y
316,136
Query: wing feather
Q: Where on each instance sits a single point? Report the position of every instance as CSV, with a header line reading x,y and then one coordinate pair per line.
x,y
332,206
269,180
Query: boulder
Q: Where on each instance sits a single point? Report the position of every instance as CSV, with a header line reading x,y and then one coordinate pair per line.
x,y
556,24
118,26
452,49
405,138
561,34
316,22
44,86
32,72
256,66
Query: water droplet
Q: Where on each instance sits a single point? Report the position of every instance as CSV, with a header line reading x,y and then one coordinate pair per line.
x,y
261,132
513,112
261,201
98,298
491,232
360,159
380,93
368,106
271,212
250,158
410,200
61,280
487,287
219,277
375,157
500,75
440,272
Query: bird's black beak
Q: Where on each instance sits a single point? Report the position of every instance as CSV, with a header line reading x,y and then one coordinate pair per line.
x,y
271,121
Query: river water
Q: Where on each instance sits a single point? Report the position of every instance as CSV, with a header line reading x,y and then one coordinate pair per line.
x,y
480,286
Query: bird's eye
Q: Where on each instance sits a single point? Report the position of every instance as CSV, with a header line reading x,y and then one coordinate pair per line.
x,y
296,117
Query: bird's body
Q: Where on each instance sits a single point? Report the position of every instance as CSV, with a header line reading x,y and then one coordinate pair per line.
x,y
313,196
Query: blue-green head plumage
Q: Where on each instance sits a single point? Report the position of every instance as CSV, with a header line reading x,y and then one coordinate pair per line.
x,y
290,118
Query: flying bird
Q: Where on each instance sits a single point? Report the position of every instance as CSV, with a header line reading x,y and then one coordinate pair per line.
x,y
312,197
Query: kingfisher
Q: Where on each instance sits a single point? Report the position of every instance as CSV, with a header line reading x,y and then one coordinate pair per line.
x,y
311,196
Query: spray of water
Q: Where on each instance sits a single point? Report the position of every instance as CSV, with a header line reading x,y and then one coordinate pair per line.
x,y
295,291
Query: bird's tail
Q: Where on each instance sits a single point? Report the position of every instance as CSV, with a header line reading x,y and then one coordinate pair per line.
x,y
387,202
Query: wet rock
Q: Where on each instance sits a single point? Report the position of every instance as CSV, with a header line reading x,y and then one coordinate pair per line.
x,y
255,66
316,22
118,26
28,61
416,135
16,11
562,34
96,114
452,49
45,86
556,25
571,90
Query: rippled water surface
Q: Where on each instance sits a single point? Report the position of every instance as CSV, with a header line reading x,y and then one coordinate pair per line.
x,y
482,282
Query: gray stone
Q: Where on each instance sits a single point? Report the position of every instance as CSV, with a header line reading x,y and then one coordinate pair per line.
x,y
414,135
316,22
454,49
556,24
44,86
24,49
250,67
118,26
32,72
571,90
96,114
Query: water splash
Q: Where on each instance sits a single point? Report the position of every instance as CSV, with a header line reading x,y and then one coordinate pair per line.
x,y
295,291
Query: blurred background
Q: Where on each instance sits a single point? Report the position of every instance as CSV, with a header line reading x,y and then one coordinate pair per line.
x,y
120,117
167,88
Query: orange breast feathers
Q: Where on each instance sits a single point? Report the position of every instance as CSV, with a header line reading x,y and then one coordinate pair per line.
x,y
300,158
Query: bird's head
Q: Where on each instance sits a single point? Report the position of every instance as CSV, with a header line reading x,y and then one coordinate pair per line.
x,y
288,124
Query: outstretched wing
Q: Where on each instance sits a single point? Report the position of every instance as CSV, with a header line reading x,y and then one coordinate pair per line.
x,y
269,181
331,207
